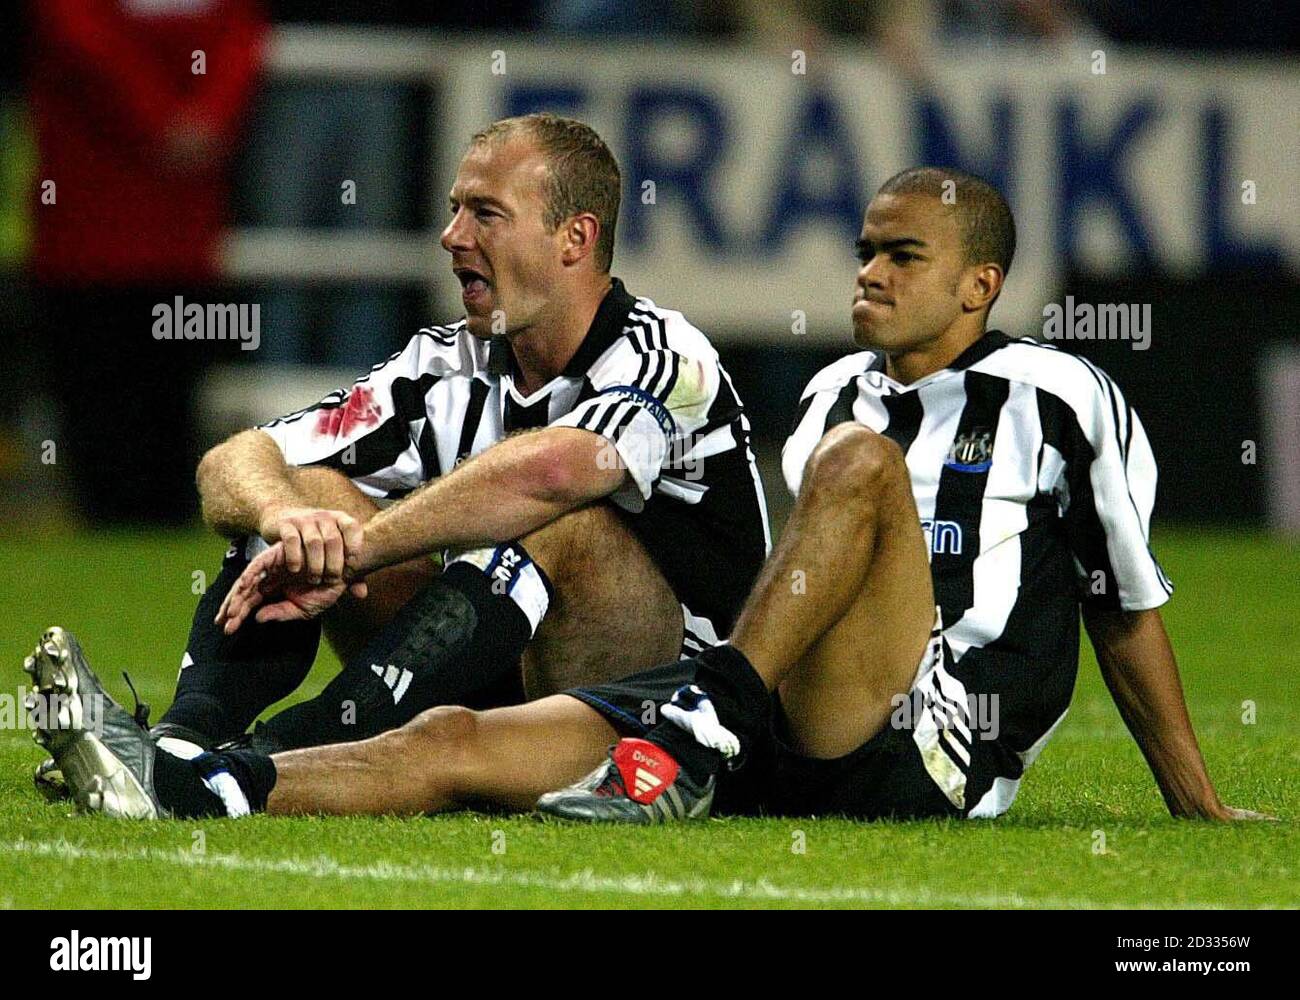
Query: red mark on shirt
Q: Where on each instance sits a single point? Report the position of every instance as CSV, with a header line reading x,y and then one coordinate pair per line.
x,y
360,410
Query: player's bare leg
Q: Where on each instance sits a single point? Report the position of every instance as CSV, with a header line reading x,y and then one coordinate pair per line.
x,y
446,758
838,621
844,607
613,611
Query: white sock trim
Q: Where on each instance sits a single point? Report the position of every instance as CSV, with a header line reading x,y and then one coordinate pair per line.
x,y
232,796
702,723
177,747
512,573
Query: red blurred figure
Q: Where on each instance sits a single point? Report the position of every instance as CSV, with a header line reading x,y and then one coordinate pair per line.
x,y
136,141
138,105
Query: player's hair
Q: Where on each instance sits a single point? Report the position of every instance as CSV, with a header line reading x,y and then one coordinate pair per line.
x,y
582,174
987,226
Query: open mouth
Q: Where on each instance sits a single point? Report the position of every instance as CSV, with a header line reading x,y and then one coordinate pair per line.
x,y
471,282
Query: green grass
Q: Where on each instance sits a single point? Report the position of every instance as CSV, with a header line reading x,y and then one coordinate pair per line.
x,y
129,598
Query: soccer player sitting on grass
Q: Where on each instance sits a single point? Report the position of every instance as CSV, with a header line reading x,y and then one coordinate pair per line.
x,y
588,478
909,647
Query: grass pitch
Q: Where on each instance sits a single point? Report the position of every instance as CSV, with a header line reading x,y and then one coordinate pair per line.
x,y
1088,830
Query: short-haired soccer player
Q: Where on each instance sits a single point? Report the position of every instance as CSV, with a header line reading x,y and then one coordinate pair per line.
x,y
911,643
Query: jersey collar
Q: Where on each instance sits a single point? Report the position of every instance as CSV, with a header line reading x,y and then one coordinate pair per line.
x,y
992,340
606,327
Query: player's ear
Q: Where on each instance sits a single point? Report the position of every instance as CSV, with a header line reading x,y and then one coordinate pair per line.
x,y
981,287
580,235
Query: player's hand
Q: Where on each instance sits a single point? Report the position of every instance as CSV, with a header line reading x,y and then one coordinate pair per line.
x,y
318,544
1230,814
1217,812
292,596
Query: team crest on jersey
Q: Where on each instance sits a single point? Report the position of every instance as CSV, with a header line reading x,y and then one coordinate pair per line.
x,y
972,451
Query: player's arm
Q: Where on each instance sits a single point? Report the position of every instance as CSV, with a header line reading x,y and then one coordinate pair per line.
x,y
243,479
309,478
507,491
1138,665
612,445
247,488
1111,479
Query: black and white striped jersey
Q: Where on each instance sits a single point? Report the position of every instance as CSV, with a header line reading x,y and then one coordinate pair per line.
x,y
644,378
1034,482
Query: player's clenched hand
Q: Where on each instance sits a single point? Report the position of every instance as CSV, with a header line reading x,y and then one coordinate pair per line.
x,y
292,596
317,543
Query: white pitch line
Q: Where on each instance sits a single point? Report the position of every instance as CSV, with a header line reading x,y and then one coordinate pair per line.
x,y
584,881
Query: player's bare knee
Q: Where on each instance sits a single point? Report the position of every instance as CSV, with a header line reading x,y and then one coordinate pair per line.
x,y
437,748
447,729
852,460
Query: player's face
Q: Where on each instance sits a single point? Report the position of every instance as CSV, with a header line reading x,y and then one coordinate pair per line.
x,y
912,262
501,251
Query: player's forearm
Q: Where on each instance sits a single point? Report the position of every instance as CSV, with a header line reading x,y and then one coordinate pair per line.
x,y
241,480
511,489
1138,665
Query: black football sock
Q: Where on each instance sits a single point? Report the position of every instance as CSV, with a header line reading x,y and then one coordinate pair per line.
x,y
456,642
180,788
740,699
227,681
231,783
254,772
